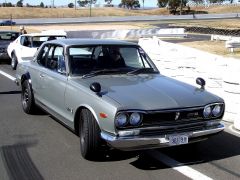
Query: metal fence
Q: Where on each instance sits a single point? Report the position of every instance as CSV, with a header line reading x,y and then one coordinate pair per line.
x,y
208,30
207,5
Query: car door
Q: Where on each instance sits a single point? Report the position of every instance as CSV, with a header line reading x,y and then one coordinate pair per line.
x,y
53,80
24,48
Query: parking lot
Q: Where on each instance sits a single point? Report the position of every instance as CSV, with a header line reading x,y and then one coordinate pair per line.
x,y
39,147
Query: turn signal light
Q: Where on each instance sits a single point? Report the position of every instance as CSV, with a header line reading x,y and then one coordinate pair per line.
x,y
103,115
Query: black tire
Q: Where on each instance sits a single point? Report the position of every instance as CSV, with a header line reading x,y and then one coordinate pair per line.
x,y
89,133
27,98
14,61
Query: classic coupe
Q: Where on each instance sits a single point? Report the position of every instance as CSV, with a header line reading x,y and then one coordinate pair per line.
x,y
112,95
26,45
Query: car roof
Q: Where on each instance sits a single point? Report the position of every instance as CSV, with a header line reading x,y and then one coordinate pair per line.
x,y
41,34
48,33
80,41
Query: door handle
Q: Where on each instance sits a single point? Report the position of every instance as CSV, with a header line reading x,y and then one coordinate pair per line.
x,y
41,76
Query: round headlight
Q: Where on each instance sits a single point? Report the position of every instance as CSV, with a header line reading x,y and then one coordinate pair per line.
x,y
217,110
207,111
121,120
135,119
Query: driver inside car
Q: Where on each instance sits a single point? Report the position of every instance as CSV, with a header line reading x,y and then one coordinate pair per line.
x,y
116,57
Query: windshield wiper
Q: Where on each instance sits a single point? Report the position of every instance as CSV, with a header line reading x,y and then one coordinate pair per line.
x,y
141,70
102,71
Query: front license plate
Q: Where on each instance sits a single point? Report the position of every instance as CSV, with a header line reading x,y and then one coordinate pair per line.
x,y
178,139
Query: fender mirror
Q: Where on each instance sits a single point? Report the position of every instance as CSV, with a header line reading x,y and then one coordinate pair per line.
x,y
201,82
95,87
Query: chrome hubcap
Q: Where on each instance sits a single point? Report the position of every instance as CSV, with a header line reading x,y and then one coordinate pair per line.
x,y
82,134
25,97
12,62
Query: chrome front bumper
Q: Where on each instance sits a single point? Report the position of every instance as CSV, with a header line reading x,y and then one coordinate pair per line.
x,y
137,142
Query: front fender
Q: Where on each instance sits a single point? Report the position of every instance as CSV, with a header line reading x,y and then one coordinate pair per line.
x,y
106,124
27,77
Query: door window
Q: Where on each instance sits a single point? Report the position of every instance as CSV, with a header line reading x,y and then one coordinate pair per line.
x,y
25,41
55,59
42,57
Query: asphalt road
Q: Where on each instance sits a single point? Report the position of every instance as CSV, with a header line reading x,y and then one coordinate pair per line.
x,y
38,147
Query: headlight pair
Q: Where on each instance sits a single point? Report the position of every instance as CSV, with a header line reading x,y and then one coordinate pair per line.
x,y
124,119
213,110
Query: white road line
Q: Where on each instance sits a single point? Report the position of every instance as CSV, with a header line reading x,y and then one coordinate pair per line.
x,y
7,75
185,170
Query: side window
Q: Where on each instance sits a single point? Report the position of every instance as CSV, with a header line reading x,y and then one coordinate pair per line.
x,y
58,51
25,41
59,55
42,57
50,53
51,63
55,59
22,40
36,41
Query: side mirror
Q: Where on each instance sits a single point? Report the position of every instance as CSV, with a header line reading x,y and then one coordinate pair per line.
x,y
95,87
201,82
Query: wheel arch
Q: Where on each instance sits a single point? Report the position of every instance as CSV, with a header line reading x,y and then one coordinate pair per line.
x,y
77,117
13,52
26,77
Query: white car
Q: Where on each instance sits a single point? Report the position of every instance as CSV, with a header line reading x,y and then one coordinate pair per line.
x,y
26,45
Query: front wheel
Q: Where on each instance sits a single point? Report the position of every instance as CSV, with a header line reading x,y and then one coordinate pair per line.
x,y
89,133
14,62
27,98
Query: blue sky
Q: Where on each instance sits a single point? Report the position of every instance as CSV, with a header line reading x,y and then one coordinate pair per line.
x,y
147,3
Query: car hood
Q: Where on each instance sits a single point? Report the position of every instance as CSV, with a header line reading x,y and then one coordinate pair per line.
x,y
151,92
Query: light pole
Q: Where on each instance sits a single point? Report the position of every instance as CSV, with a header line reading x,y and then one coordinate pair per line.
x,y
75,4
90,8
181,8
52,3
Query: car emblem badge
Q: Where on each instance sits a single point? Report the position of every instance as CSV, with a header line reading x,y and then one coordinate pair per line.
x,y
177,115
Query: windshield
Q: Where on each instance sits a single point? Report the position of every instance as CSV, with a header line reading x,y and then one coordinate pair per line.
x,y
110,59
38,40
8,36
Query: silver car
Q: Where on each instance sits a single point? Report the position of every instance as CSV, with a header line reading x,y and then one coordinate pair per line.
x,y
111,94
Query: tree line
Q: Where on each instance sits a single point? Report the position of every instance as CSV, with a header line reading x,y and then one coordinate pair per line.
x,y
20,4
174,6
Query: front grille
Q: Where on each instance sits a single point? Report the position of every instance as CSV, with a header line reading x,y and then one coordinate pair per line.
x,y
174,117
173,130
